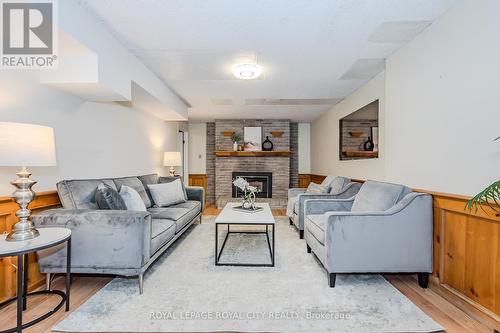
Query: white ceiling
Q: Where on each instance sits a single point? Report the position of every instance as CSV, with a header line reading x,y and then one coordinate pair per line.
x,y
309,49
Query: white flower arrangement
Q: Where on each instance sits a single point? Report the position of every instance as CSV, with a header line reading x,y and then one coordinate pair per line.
x,y
241,183
247,189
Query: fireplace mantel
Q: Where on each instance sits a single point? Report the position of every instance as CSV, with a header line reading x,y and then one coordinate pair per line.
x,y
275,153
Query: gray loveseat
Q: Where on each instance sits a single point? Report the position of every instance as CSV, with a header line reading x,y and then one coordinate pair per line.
x,y
385,228
120,242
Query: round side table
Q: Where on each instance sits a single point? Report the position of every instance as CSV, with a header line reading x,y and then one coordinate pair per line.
x,y
49,237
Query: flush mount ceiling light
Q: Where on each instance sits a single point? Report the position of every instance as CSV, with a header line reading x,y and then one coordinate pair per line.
x,y
247,71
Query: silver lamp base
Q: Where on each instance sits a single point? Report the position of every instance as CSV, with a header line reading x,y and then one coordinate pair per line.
x,y
24,229
172,171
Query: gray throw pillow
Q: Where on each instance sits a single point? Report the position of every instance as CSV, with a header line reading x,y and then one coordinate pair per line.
x,y
314,188
107,197
171,179
167,194
132,199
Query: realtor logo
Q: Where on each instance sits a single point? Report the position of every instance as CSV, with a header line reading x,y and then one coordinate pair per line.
x,y
28,34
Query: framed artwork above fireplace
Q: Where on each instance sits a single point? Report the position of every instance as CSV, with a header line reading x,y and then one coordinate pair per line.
x,y
252,138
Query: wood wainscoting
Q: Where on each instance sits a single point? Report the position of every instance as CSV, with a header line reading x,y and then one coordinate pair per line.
x,y
317,179
199,180
8,265
304,180
466,256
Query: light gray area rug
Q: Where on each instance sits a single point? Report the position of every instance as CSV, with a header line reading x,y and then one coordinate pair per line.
x,y
185,292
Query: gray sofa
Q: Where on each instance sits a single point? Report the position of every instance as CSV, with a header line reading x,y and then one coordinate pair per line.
x,y
120,242
386,228
338,188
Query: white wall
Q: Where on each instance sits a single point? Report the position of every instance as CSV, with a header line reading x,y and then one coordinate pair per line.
x,y
92,139
304,148
197,148
441,109
443,103
325,136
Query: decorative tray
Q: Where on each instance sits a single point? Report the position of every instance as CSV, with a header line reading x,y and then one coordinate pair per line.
x,y
241,209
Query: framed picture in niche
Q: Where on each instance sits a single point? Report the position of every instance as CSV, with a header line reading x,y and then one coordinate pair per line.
x,y
252,138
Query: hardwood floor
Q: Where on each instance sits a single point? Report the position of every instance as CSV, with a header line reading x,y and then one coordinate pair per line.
x,y
450,317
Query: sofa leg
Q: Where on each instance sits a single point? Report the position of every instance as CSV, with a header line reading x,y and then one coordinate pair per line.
x,y
331,279
423,280
301,234
290,220
141,283
47,281
308,249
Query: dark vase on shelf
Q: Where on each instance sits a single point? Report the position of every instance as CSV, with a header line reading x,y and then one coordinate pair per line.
x,y
267,145
368,145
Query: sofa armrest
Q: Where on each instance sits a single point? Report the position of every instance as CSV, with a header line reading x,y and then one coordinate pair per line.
x,y
321,206
100,238
302,197
196,193
293,192
396,240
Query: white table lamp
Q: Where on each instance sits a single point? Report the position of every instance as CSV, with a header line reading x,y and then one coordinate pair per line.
x,y
172,159
25,145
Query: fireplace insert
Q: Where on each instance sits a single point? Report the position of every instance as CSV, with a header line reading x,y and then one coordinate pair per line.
x,y
263,181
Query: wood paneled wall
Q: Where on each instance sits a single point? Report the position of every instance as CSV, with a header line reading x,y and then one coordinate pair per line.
x,y
466,256
8,265
304,180
199,180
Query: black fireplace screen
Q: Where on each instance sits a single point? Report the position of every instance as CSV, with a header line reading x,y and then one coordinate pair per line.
x,y
263,181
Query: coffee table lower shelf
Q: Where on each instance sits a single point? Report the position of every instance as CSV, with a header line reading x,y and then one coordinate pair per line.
x,y
270,243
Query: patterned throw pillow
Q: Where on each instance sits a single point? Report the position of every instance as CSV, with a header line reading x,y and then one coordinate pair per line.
x,y
314,188
107,197
132,199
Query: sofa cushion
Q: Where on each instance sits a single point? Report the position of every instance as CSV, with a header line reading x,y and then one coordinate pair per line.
x,y
146,180
80,193
136,184
132,199
190,204
171,179
162,231
181,214
315,224
167,213
338,184
107,197
167,194
378,196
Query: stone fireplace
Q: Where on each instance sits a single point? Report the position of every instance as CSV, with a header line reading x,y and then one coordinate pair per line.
x,y
276,166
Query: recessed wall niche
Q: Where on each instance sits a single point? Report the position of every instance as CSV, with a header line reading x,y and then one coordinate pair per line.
x,y
359,133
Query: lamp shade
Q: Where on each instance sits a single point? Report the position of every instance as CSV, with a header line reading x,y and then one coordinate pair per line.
x,y
26,145
172,158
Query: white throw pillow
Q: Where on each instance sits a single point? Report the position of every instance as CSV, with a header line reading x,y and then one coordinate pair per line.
x,y
167,194
132,199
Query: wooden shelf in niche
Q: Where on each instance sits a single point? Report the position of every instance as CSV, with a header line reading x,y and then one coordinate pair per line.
x,y
277,134
275,153
357,134
227,133
361,153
